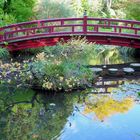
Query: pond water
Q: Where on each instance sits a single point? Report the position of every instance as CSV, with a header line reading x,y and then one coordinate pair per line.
x,y
34,115
111,55
109,111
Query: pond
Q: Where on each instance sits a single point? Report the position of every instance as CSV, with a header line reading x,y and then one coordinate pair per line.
x,y
86,115
109,110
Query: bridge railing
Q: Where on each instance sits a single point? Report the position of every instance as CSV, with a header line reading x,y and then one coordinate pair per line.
x,y
70,26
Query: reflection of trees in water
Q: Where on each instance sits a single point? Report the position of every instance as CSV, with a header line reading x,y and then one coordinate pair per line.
x,y
26,115
106,106
106,55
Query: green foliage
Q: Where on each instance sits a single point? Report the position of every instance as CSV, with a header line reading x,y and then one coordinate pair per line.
x,y
80,6
61,67
7,19
52,9
12,11
22,9
133,10
56,68
127,51
4,53
138,93
104,54
107,8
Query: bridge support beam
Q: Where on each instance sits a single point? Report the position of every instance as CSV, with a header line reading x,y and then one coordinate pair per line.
x,y
51,41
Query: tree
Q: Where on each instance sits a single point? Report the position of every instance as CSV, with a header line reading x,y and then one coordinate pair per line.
x,y
12,11
51,9
132,10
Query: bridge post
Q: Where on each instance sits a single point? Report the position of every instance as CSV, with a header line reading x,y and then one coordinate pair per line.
x,y
85,22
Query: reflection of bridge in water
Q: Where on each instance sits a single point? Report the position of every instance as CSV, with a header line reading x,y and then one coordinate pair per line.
x,y
105,84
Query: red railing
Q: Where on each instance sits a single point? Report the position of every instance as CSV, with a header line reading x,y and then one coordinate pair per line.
x,y
71,26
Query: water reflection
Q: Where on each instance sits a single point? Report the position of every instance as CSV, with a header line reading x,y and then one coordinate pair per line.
x,y
29,115
106,106
40,117
109,55
106,85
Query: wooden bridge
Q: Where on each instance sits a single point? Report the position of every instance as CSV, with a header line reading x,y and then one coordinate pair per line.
x,y
49,31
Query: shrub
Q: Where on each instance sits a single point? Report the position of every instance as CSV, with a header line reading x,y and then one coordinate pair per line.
x,y
4,53
61,75
62,67
15,74
52,9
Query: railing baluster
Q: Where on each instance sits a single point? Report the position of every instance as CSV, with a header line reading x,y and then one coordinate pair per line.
x,y
51,29
27,33
120,30
38,24
5,36
126,24
72,29
108,23
132,25
85,25
96,28
115,29
42,24
62,22
136,31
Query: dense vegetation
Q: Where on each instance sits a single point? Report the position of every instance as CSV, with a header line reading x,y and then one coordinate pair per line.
x,y
58,68
61,67
27,115
12,11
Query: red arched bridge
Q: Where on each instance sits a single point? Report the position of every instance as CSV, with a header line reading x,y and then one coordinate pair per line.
x,y
49,31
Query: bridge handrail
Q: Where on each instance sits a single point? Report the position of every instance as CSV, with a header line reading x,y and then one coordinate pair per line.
x,y
40,21
71,19
116,20
28,29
